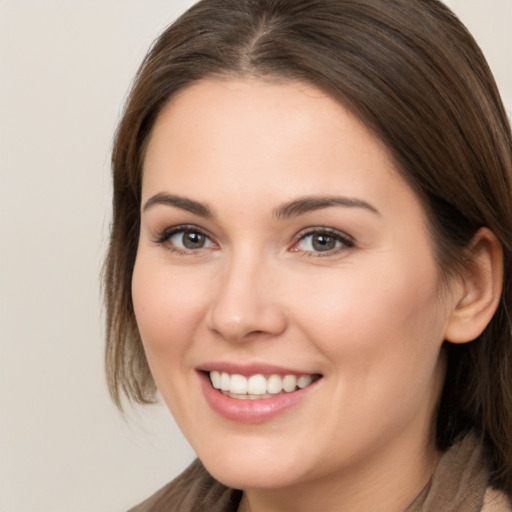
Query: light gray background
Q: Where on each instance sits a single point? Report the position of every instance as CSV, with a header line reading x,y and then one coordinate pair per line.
x,y
65,67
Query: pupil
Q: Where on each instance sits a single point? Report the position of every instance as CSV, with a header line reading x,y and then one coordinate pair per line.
x,y
193,240
323,243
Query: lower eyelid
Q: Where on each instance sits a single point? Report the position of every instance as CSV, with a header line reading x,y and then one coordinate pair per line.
x,y
164,236
343,241
341,238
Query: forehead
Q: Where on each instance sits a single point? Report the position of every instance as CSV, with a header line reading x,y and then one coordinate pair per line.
x,y
251,138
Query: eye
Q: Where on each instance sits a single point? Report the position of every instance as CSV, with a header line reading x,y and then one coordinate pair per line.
x,y
323,240
185,238
189,239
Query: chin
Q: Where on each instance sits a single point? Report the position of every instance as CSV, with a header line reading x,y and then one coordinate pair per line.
x,y
264,477
260,471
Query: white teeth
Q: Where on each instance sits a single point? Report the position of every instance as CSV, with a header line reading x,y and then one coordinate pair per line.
x,y
304,380
274,384
215,378
257,386
225,381
238,384
290,383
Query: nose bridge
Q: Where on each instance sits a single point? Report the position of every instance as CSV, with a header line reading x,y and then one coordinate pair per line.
x,y
244,304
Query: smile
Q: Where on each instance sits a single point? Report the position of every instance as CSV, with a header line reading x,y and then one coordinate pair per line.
x,y
254,393
258,386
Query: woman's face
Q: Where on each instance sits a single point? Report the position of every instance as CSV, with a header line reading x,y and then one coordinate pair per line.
x,y
280,247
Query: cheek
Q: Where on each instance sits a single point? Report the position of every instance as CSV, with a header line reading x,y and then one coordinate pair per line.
x,y
374,315
168,305
382,339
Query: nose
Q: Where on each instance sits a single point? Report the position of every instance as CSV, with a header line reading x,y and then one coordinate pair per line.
x,y
245,305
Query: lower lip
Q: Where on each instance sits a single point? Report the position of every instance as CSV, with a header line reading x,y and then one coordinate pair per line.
x,y
251,411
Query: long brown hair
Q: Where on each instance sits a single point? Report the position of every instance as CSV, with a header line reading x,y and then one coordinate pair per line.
x,y
415,77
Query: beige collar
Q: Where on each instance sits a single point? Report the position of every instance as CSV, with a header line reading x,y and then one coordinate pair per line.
x,y
460,483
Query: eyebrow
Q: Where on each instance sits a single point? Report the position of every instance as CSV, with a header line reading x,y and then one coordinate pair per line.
x,y
195,207
310,203
285,211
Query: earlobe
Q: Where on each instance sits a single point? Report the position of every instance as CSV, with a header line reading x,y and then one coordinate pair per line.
x,y
481,289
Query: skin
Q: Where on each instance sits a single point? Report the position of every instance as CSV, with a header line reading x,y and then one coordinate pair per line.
x,y
369,317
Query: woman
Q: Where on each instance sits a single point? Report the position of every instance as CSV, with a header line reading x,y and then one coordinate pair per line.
x,y
310,258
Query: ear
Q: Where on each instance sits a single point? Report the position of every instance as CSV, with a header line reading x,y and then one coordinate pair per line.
x,y
480,293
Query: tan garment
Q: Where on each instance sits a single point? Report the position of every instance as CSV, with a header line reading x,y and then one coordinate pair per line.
x,y
459,484
195,490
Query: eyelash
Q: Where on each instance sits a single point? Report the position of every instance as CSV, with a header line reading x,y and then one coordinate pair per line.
x,y
346,241
164,237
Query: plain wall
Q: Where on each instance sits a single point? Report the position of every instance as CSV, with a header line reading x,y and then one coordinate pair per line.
x,y
65,68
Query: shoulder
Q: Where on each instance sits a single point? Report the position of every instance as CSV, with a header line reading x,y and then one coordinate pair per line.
x,y
195,489
496,501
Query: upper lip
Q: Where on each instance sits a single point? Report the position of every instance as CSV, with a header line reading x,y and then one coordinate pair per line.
x,y
251,369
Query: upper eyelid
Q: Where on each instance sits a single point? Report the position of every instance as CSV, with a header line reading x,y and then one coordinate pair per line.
x,y
166,233
330,231
347,242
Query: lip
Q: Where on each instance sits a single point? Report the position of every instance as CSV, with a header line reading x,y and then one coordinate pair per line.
x,y
251,411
